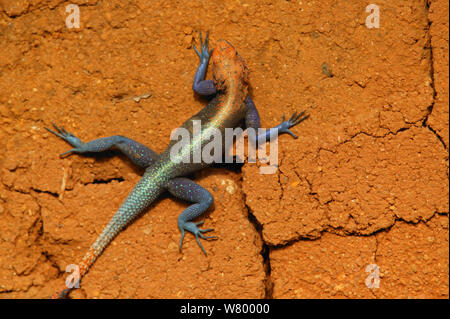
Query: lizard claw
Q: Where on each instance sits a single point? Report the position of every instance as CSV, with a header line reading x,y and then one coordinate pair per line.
x,y
204,47
295,119
192,227
69,138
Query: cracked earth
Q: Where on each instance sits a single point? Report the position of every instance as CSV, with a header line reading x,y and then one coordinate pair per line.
x,y
365,183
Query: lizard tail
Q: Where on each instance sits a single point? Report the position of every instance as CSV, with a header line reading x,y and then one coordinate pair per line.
x,y
145,192
83,267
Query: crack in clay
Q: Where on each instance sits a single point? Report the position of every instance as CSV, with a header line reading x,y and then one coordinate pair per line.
x,y
265,250
280,198
394,133
437,135
376,249
432,84
341,231
310,184
105,181
53,263
39,191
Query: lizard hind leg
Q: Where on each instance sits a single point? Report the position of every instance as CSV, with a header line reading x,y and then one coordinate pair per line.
x,y
186,189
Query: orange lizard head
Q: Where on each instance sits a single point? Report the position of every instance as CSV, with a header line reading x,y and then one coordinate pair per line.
x,y
228,66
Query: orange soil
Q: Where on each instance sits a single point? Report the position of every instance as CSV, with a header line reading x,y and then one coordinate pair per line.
x,y
365,183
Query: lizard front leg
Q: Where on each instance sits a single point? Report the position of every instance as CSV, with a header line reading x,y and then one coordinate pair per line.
x,y
139,154
188,190
200,85
252,121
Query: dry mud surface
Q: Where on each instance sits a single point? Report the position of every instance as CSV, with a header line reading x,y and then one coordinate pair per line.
x,y
365,183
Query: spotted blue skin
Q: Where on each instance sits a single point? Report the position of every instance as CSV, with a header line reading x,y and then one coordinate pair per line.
x,y
161,173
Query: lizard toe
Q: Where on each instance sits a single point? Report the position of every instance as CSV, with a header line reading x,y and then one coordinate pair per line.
x,y
198,233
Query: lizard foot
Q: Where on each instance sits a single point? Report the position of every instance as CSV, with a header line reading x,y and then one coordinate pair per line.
x,y
295,119
69,138
192,227
204,46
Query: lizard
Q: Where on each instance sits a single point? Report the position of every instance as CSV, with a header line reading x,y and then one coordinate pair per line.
x,y
229,108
